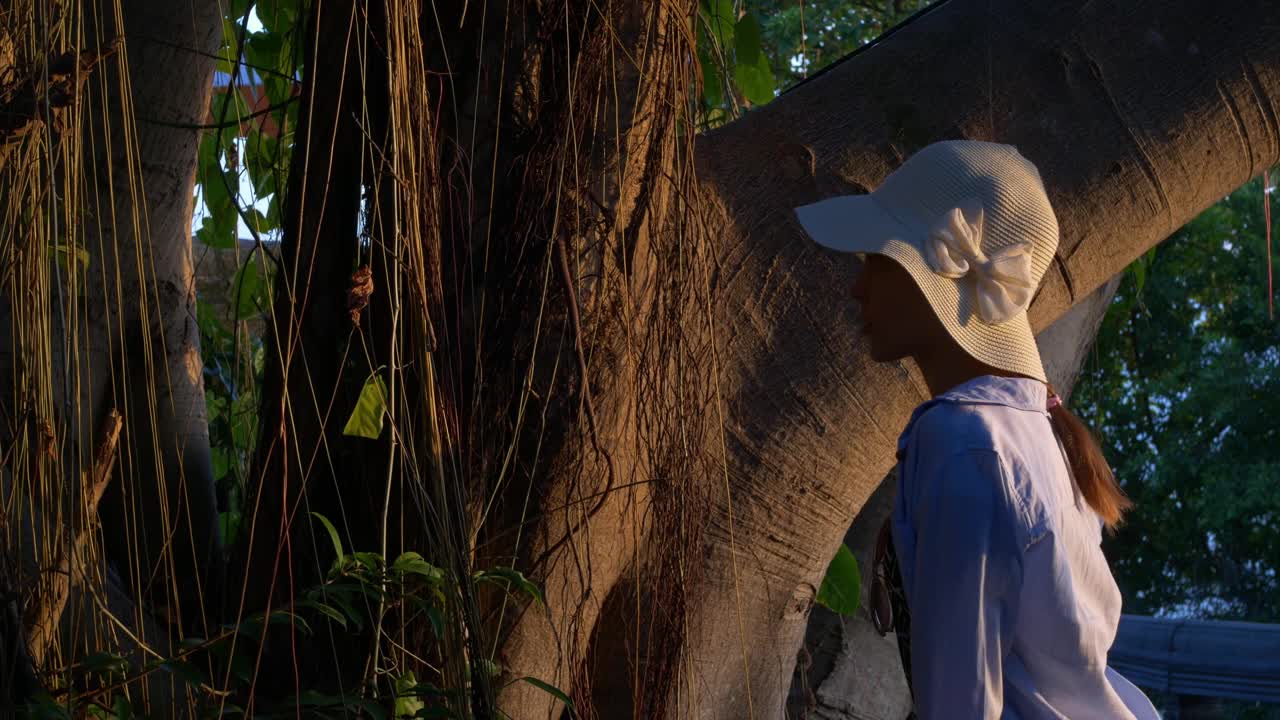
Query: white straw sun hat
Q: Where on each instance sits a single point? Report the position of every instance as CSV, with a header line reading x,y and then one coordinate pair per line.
x,y
971,223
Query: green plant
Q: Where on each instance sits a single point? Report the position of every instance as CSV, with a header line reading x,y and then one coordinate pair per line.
x,y
736,70
355,584
842,585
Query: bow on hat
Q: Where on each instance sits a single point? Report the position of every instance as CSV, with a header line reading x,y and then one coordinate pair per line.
x,y
1003,281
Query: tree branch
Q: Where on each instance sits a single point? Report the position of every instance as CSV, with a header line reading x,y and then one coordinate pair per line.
x,y
1136,115
46,609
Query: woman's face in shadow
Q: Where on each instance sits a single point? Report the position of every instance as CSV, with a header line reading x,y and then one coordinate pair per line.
x,y
896,319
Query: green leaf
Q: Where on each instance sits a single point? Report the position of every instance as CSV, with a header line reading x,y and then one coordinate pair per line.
x,y
437,621
228,106
551,690
243,421
366,418
333,534
511,579
369,560
215,194
60,252
712,84
210,326
229,524
411,563
212,235
371,708
43,707
328,611
1139,269
278,89
407,702
230,32
751,69
262,157
253,625
746,40
103,663
220,461
273,210
236,8
223,65
278,16
189,673
262,50
251,291
339,596
755,81
719,19
259,222
842,584
264,186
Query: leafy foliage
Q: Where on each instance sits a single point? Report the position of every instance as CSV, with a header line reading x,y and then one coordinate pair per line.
x,y
749,50
831,30
241,169
842,586
356,584
1182,388
736,70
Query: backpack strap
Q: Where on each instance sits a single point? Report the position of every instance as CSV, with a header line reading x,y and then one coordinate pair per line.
x,y
889,611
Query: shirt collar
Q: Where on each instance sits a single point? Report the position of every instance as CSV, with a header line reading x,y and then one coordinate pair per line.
x,y
1017,393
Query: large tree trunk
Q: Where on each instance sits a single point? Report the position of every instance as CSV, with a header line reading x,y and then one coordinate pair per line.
x,y
845,668
616,361
143,360
1138,115
110,177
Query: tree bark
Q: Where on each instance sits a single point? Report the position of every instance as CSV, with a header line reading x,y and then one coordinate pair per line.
x,y
110,176
1175,106
143,351
692,421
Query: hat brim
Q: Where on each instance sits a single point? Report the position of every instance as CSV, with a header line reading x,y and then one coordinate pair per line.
x,y
850,223
859,224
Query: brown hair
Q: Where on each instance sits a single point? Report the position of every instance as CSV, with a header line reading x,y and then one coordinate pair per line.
x,y
1092,473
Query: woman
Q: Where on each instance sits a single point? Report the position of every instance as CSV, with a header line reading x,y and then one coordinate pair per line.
x,y
1002,493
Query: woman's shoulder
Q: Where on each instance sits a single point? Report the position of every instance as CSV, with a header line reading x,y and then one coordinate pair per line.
x,y
983,434
948,427
1009,427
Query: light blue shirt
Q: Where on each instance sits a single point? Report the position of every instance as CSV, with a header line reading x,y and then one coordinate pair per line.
x,y
1013,606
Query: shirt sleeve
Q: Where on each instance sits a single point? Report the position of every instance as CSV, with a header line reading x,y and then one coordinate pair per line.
x,y
967,576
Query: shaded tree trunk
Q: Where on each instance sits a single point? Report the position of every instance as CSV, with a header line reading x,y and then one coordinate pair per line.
x,y
110,326
160,513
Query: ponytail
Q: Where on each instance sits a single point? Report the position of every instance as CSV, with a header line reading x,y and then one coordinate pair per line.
x,y
1092,473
